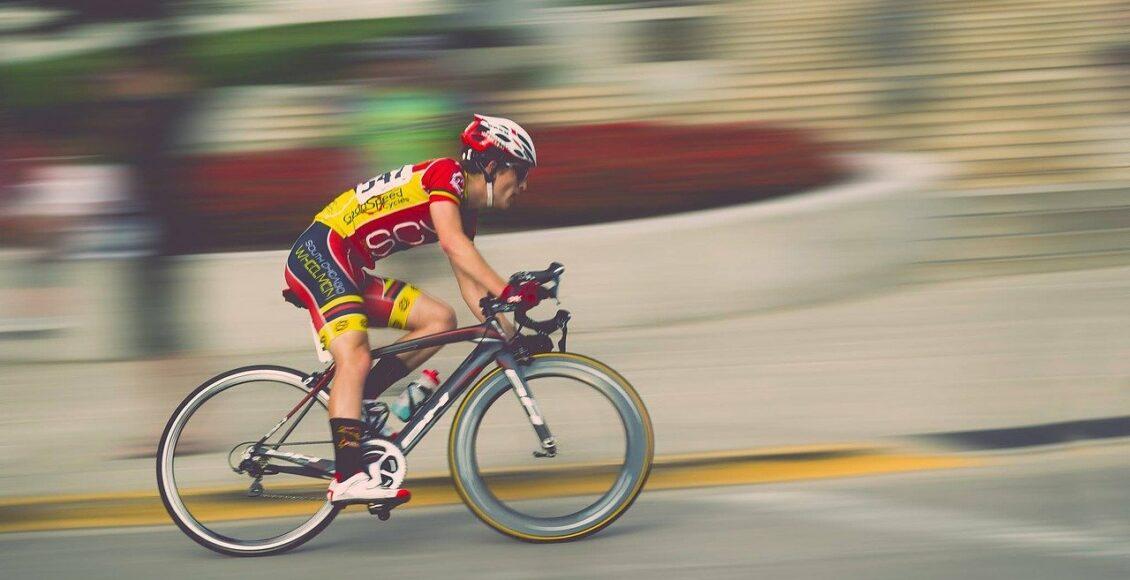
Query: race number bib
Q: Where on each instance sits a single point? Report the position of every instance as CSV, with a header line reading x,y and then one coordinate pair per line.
x,y
383,183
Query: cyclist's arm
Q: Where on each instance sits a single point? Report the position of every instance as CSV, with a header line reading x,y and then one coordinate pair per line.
x,y
460,250
475,277
472,292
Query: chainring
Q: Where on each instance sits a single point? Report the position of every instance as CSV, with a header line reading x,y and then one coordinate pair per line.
x,y
384,460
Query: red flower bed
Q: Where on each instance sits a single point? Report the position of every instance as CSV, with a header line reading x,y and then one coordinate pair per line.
x,y
263,199
588,174
607,172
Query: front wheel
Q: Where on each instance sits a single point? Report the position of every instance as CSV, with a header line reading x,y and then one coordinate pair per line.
x,y
603,436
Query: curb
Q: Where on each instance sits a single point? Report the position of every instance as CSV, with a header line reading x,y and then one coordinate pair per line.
x,y
51,513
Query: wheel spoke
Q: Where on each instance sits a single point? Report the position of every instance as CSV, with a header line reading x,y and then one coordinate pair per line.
x,y
196,494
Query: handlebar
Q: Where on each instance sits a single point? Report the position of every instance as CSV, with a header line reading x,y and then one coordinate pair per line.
x,y
549,326
552,276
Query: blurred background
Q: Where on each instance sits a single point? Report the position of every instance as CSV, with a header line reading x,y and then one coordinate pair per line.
x,y
794,222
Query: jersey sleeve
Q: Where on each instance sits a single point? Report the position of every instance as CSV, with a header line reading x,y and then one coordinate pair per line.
x,y
443,180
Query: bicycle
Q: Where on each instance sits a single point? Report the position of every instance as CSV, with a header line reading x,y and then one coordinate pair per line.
x,y
271,468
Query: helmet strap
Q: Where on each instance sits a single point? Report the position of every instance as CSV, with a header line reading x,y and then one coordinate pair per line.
x,y
489,177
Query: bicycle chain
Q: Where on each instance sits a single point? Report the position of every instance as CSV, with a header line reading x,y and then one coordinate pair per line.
x,y
320,497
291,497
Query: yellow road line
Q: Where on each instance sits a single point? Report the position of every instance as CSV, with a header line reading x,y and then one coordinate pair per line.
x,y
703,457
670,472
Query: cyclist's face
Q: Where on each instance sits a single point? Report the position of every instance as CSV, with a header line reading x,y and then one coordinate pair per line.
x,y
507,185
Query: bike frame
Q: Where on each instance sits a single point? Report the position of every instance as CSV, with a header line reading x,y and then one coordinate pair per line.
x,y
492,346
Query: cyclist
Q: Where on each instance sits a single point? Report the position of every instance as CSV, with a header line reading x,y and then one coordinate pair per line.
x,y
433,201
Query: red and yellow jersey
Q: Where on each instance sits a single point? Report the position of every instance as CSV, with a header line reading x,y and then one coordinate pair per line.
x,y
390,212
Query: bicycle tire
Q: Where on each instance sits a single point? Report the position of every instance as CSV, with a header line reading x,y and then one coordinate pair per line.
x,y
476,495
166,481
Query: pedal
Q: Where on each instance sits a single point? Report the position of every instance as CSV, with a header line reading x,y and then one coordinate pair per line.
x,y
383,509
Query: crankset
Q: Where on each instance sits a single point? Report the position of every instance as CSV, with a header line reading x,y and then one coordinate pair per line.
x,y
384,461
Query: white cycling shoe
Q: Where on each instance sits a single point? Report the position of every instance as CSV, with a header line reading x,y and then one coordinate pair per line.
x,y
363,489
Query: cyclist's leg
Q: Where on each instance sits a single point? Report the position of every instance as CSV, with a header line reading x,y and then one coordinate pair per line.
x,y
350,350
397,304
318,273
429,316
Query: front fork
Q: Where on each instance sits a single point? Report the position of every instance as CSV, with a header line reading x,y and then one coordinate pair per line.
x,y
525,396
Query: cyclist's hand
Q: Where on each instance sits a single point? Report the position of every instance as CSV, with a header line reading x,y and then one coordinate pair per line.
x,y
524,294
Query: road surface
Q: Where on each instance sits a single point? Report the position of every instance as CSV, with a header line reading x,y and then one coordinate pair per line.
x,y
1039,515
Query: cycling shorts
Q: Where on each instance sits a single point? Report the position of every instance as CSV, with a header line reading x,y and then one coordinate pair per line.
x,y
338,293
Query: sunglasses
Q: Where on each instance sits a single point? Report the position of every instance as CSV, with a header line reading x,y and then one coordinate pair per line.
x,y
521,169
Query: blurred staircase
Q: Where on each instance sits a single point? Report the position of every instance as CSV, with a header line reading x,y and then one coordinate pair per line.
x,y
1017,96
1016,231
272,117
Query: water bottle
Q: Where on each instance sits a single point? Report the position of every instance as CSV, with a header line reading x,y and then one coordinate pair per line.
x,y
415,394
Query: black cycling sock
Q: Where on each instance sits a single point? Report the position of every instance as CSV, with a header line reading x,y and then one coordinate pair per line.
x,y
387,371
347,446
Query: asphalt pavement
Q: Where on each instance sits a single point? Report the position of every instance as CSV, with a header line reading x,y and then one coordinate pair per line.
x,y
1044,515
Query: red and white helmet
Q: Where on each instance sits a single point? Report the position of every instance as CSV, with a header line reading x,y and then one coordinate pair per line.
x,y
489,139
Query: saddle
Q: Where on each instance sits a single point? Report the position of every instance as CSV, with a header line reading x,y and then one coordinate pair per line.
x,y
291,297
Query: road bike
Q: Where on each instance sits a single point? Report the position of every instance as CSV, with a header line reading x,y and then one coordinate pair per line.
x,y
267,427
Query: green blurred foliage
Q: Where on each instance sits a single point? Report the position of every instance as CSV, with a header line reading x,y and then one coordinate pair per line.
x,y
279,53
282,54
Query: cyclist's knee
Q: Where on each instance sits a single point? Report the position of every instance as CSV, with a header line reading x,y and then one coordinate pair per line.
x,y
444,318
431,315
351,351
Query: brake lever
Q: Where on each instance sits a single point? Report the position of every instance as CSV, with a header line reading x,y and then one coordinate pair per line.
x,y
564,336
551,291
519,277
